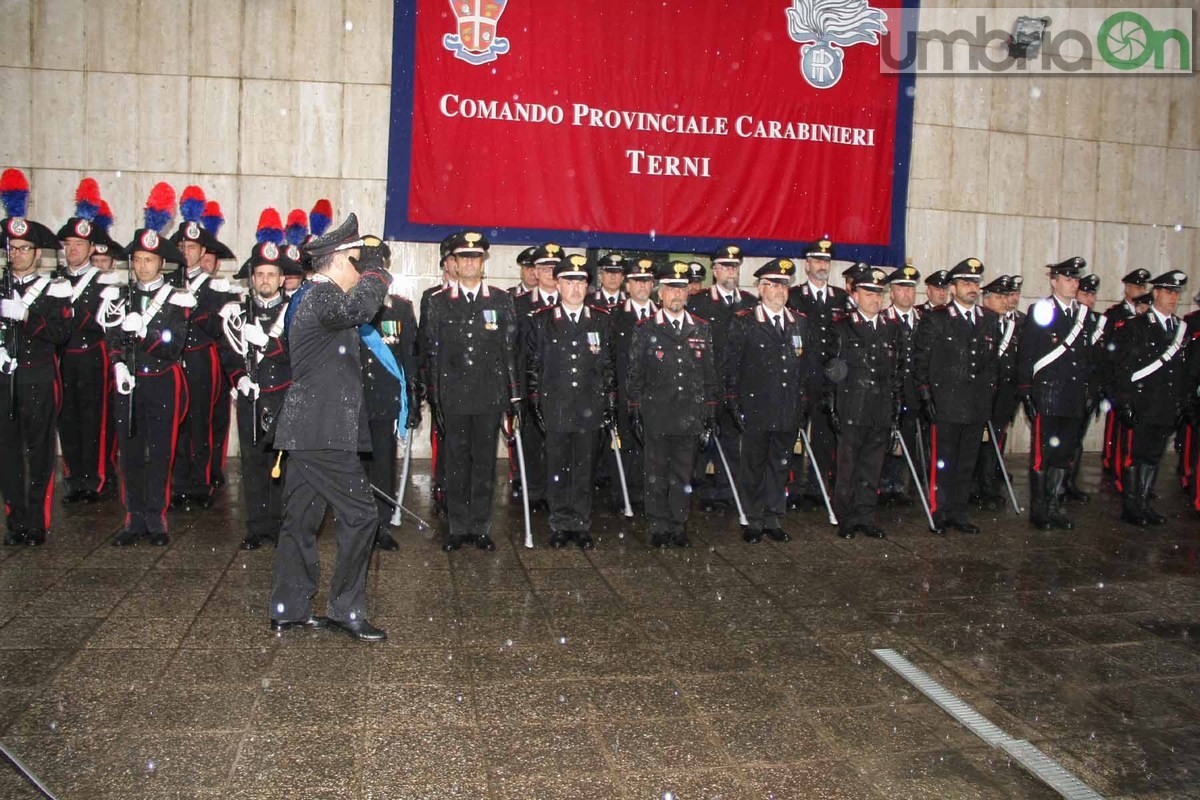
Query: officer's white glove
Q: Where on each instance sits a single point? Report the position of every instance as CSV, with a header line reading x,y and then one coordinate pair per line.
x,y
125,381
14,309
229,310
7,365
248,387
255,336
133,323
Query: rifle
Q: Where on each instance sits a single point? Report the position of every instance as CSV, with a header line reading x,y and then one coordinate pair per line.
x,y
251,364
10,333
131,347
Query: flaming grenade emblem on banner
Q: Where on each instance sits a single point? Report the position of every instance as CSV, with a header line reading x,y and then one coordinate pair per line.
x,y
823,27
476,41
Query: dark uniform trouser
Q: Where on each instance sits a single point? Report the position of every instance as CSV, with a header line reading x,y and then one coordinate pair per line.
x,y
220,425
715,487
669,463
764,470
194,451
316,480
82,431
570,463
1054,440
28,495
824,450
471,471
263,494
953,450
1147,443
158,401
381,464
534,443
896,476
860,453
1116,448
987,476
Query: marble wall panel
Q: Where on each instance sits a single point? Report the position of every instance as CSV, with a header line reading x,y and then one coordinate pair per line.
x,y
1077,189
1043,176
16,145
317,34
213,117
58,34
317,117
367,44
267,43
52,197
364,145
112,137
15,33
968,186
163,123
1112,256
1147,199
268,127
215,37
1114,182
110,45
58,123
1006,173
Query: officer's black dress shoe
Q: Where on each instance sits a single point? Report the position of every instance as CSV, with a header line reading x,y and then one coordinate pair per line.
x,y
218,480
14,537
540,505
313,623
902,499
159,538
179,502
962,525
752,536
453,543
681,540
559,539
1075,494
847,532
126,538
359,629
873,532
73,496
584,540
201,500
251,542
484,542
90,496
662,540
35,537
384,541
777,535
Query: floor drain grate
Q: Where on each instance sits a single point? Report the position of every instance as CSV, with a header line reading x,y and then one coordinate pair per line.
x,y
1043,766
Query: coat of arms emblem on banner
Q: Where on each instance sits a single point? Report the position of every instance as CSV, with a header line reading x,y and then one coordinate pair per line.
x,y
823,27
476,41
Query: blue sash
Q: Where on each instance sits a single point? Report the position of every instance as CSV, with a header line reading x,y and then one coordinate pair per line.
x,y
383,355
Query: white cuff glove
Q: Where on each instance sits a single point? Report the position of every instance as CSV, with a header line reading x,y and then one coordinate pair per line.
x,y
7,365
14,309
125,381
134,324
248,387
229,311
255,336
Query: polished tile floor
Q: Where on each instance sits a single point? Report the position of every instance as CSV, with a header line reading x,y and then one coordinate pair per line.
x,y
724,671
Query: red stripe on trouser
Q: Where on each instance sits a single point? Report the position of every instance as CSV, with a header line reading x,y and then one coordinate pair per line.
x,y
1109,444
1196,486
1037,443
214,373
177,416
933,468
433,450
1187,454
1128,462
1118,465
48,499
102,469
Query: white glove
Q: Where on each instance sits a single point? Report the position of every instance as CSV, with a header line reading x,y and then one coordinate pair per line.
x,y
7,365
229,311
134,324
125,381
255,336
248,387
14,309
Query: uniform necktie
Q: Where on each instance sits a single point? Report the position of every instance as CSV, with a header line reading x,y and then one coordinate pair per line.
x,y
551,299
573,316
821,296
779,324
728,299
641,313
1170,324
677,324
470,297
907,324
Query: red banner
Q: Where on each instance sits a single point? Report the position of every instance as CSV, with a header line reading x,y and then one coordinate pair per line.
x,y
654,124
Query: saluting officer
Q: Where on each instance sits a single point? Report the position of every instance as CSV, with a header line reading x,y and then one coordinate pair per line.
x,y
639,285
1053,382
147,350
902,283
865,400
396,327
1151,389
82,430
571,374
987,483
1135,288
937,290
192,483
35,319
672,395
766,375
613,268
818,302
468,340
718,306
259,368
956,369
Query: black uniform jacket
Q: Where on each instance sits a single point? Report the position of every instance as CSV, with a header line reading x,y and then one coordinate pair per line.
x,y
166,328
875,374
956,361
571,367
397,325
469,350
1060,388
711,306
273,369
906,355
672,376
820,315
623,320
86,332
597,298
324,407
1158,396
44,330
211,296
768,374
